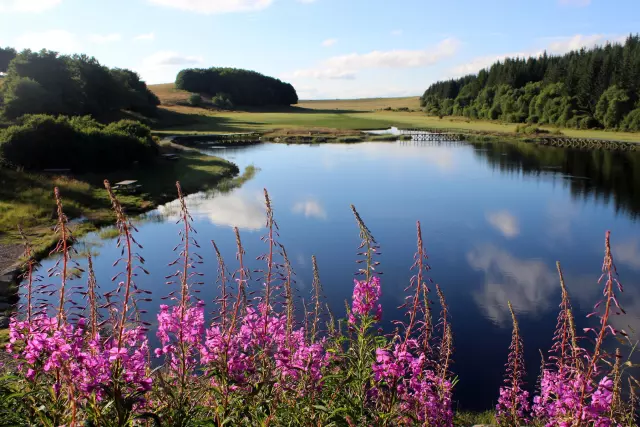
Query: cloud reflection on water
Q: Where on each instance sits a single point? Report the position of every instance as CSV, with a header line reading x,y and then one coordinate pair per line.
x,y
240,208
528,284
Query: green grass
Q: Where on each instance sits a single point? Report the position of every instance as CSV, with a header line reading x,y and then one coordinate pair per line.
x,y
180,119
354,114
473,418
27,198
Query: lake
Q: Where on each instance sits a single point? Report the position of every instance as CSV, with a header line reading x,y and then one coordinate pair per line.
x,y
495,218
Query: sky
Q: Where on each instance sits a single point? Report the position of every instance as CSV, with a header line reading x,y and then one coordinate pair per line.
x,y
327,49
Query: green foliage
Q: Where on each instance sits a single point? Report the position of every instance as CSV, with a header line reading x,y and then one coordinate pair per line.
x,y
79,143
195,100
632,121
6,55
243,86
48,83
613,106
222,100
582,89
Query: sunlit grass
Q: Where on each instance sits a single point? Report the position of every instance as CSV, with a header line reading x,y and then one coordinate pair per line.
x,y
354,114
26,198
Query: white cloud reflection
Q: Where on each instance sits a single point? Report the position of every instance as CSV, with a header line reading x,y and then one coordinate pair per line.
x,y
310,208
528,284
505,222
628,253
242,209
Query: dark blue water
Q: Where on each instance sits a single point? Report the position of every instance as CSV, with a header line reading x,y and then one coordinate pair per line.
x,y
495,218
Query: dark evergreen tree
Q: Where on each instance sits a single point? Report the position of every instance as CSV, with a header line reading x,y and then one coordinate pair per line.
x,y
598,87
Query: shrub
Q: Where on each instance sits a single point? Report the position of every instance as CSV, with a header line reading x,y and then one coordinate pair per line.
x,y
222,100
79,143
195,100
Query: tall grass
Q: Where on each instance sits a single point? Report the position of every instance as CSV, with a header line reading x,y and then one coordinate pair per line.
x,y
262,360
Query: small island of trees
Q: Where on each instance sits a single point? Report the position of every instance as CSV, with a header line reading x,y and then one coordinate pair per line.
x,y
235,86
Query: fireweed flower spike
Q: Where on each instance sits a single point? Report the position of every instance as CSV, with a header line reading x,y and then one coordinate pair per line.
x,y
180,331
513,403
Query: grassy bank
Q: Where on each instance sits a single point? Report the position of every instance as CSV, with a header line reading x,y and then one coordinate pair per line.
x,y
27,198
342,115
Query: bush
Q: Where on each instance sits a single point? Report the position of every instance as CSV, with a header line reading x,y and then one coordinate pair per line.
x,y
530,130
222,100
195,100
79,143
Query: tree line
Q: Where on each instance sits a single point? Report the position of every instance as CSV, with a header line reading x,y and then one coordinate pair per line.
x,y
588,88
237,86
46,82
52,106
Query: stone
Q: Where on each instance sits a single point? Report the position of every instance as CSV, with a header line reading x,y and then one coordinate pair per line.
x,y
4,322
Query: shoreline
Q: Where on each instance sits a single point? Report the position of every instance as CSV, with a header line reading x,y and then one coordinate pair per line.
x,y
196,172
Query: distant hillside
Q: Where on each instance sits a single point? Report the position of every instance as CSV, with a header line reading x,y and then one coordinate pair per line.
x,y
170,96
590,88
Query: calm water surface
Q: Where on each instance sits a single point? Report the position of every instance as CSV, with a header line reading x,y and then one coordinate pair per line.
x,y
495,218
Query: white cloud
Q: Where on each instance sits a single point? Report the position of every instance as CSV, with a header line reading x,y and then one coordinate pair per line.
x,y
396,33
329,42
504,222
27,6
345,66
561,45
323,74
168,58
396,58
106,38
578,3
553,45
57,40
215,6
310,208
145,37
162,67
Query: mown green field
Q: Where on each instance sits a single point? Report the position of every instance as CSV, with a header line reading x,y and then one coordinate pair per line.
x,y
358,114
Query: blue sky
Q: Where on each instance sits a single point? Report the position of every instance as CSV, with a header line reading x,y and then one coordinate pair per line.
x,y
326,48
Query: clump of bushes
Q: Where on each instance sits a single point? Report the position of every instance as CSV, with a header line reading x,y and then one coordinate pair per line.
x,y
534,130
195,100
222,100
78,143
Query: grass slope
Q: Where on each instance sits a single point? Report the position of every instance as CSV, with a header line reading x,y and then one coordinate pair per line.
x,y
27,199
355,114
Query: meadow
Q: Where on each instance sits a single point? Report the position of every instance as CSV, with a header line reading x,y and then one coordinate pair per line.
x,y
176,116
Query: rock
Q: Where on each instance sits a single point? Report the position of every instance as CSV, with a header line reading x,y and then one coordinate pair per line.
x,y
4,322
5,306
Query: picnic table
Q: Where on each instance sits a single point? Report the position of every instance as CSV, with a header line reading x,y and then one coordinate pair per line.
x,y
127,185
170,156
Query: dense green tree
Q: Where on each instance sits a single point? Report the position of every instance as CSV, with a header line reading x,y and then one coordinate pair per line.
x,y
243,87
570,90
46,82
6,55
613,106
